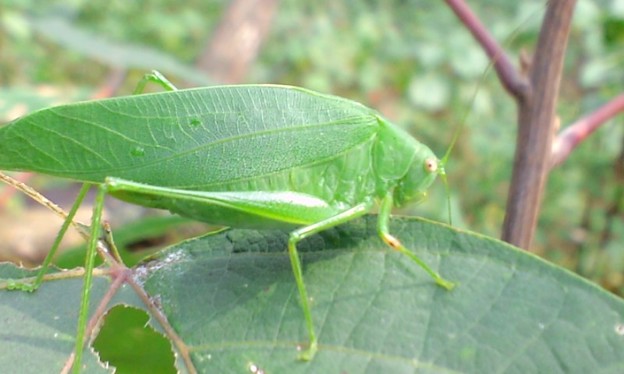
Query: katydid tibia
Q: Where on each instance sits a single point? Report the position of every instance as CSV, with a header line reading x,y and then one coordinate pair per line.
x,y
256,156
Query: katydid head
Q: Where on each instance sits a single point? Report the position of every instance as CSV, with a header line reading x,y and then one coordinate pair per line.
x,y
423,170
409,166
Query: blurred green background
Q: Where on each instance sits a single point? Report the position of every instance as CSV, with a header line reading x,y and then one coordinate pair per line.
x,y
411,60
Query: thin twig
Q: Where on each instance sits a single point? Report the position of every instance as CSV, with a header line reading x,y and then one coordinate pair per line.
x,y
118,280
574,134
6,194
38,197
65,274
177,341
511,79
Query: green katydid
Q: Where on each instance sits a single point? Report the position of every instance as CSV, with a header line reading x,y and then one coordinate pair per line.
x,y
250,156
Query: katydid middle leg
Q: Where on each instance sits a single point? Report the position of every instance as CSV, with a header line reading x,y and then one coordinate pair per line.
x,y
384,233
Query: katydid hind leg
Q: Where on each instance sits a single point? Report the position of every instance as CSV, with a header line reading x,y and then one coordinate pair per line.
x,y
394,243
295,237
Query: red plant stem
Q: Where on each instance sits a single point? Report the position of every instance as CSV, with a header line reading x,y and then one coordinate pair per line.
x,y
574,134
511,79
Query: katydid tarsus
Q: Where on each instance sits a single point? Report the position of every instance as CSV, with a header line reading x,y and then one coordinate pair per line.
x,y
248,156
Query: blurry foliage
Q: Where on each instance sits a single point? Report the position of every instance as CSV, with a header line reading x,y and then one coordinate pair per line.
x,y
413,61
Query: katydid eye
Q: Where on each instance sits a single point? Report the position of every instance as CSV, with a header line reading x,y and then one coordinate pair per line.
x,y
431,165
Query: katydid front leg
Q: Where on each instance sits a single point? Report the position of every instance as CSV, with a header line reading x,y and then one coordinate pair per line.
x,y
384,233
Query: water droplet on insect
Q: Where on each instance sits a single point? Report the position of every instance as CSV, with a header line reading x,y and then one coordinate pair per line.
x,y
138,151
619,329
195,122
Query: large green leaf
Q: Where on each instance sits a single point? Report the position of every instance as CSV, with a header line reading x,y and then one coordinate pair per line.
x,y
232,298
37,330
